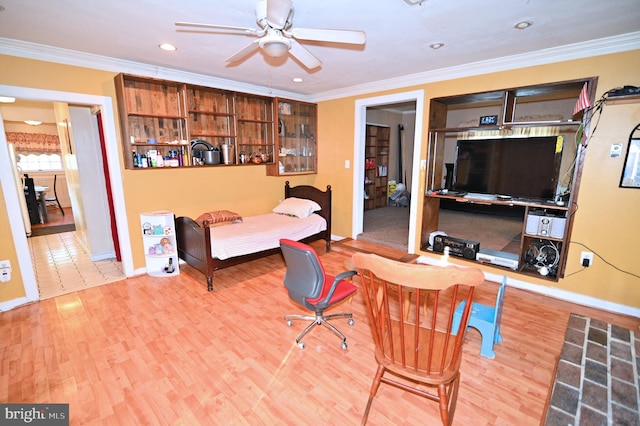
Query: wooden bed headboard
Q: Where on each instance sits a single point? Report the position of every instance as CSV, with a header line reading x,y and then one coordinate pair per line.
x,y
323,198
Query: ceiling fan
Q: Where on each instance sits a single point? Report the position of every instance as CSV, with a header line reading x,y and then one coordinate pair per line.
x,y
277,37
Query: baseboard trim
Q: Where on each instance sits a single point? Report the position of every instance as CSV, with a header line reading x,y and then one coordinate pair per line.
x,y
553,292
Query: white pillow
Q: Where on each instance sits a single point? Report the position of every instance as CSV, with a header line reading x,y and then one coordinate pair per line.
x,y
298,207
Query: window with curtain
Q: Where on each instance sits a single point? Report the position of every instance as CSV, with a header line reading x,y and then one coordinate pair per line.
x,y
36,151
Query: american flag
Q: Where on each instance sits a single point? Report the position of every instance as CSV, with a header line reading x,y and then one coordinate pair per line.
x,y
583,101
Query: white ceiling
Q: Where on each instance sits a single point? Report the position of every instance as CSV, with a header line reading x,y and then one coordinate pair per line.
x,y
125,35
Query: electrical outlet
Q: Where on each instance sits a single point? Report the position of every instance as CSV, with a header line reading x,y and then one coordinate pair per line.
x,y
5,271
586,258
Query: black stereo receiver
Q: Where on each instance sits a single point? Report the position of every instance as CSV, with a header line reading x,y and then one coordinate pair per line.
x,y
457,246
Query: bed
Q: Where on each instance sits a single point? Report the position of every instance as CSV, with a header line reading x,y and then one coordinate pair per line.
x,y
198,247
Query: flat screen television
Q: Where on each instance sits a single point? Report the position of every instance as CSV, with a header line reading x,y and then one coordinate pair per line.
x,y
516,167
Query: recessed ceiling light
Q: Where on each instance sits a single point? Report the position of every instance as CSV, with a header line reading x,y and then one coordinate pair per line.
x,y
33,122
297,80
7,99
522,25
167,46
436,46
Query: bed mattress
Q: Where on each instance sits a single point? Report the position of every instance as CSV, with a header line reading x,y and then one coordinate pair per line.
x,y
262,232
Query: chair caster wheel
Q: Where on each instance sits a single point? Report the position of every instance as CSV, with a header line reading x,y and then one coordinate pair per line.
x,y
343,345
351,321
301,345
289,323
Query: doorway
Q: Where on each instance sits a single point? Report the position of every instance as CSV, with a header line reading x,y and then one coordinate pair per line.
x,y
411,169
9,186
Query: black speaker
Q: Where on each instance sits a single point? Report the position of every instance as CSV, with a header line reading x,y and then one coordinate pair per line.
x,y
469,252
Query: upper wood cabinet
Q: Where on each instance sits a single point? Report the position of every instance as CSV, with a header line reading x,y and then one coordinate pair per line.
x,y
296,147
255,124
153,120
211,115
159,120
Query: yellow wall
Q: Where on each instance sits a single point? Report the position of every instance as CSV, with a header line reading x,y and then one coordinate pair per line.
x,y
605,219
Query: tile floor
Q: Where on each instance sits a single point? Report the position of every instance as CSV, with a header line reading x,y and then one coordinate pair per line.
x,y
62,266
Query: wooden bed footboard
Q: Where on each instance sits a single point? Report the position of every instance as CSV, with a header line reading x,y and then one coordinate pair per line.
x,y
194,241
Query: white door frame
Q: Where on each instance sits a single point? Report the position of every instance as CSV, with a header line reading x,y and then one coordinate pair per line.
x,y
9,187
360,130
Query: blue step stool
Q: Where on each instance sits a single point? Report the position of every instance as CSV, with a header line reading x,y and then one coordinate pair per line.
x,y
485,319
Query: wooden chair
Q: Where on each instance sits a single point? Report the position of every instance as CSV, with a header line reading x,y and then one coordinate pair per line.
x,y
420,350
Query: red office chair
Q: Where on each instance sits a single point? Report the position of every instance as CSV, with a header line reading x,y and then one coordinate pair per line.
x,y
310,286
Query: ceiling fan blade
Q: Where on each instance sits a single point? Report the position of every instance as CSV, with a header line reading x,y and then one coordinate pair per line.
x,y
303,55
217,27
332,36
278,12
245,51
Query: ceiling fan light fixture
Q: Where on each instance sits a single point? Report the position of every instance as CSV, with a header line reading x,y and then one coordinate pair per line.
x,y
275,46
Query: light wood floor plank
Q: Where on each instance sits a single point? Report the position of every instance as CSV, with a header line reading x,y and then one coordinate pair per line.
x,y
165,351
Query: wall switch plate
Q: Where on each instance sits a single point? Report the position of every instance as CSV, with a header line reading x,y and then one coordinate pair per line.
x,y
5,264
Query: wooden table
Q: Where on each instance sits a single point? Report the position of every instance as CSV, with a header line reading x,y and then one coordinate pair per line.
x,y
41,192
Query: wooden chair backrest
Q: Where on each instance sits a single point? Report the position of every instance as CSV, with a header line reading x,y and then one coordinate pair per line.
x,y
421,346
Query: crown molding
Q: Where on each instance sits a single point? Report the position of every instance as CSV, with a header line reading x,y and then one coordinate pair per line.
x,y
603,46
42,52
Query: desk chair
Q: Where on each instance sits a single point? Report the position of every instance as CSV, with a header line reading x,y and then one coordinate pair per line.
x,y
423,352
53,201
310,286
485,319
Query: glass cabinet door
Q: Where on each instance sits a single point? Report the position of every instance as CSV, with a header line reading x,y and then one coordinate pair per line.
x,y
297,143
254,120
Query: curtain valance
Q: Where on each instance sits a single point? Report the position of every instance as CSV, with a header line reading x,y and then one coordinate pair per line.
x,y
34,142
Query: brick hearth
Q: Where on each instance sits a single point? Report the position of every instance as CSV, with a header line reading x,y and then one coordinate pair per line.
x,y
596,380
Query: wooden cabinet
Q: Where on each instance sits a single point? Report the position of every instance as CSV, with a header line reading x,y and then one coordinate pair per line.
x,y
297,151
159,241
376,165
153,121
254,118
211,115
160,118
542,110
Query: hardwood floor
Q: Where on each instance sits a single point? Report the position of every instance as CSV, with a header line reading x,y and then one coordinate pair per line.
x,y
56,218
165,351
